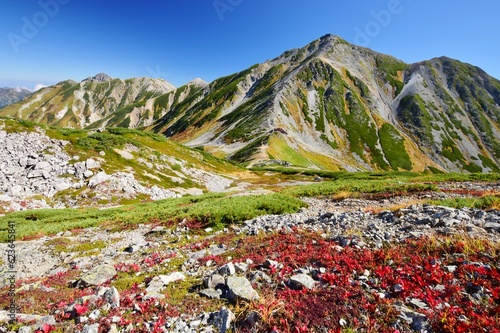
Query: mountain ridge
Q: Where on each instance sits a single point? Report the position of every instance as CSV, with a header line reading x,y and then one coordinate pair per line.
x,y
331,105
80,104
12,95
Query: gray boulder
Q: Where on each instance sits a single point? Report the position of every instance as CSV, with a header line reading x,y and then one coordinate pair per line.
x,y
211,293
492,226
227,269
92,164
222,319
112,297
240,288
155,285
300,281
213,281
97,276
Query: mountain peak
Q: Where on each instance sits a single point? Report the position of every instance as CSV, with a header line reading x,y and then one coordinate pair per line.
x,y
317,47
327,105
330,37
198,82
101,77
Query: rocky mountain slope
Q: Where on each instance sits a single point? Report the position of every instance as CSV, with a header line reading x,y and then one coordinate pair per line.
x,y
336,105
43,167
90,102
328,105
12,95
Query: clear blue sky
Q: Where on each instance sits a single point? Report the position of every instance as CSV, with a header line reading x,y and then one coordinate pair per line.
x,y
179,40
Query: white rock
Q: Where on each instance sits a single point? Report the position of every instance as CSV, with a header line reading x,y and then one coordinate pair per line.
x,y
94,328
173,277
88,174
227,269
92,164
99,178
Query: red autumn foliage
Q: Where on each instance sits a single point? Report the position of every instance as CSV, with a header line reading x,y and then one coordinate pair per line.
x,y
345,293
217,260
466,192
81,309
358,288
46,328
157,258
127,268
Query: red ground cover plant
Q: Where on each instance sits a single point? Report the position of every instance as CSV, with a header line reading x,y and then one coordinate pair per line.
x,y
127,268
466,192
46,328
458,291
157,258
454,282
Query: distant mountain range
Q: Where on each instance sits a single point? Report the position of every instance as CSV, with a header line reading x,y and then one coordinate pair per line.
x,y
12,95
328,105
93,101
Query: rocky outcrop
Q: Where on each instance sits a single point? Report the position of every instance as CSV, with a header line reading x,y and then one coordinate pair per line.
x,y
97,276
240,288
299,281
101,77
34,168
33,164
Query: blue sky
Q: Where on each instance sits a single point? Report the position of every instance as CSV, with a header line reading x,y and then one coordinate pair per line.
x,y
47,41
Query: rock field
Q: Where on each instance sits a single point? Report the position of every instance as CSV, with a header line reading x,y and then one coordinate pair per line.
x,y
347,223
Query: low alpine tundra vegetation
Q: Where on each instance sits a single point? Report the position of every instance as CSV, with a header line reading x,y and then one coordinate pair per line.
x,y
453,283
214,210
441,283
438,283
